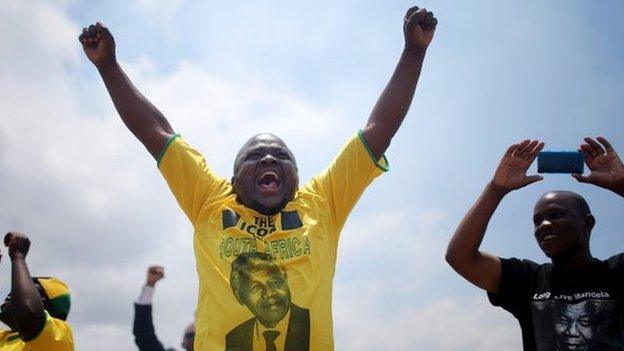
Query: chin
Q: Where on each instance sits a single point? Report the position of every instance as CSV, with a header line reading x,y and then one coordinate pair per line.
x,y
268,209
549,254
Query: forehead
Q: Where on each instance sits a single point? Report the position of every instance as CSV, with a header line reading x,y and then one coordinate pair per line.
x,y
263,271
576,310
555,201
264,140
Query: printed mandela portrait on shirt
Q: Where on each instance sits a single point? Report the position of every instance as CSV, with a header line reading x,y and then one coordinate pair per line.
x,y
592,324
259,283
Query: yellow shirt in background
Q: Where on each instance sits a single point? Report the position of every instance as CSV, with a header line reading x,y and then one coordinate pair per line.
x,y
56,335
302,239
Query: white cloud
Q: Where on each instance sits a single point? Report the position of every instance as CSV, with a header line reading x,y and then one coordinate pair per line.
x,y
442,324
218,115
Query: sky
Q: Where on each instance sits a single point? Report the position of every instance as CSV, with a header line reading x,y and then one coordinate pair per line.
x,y
98,212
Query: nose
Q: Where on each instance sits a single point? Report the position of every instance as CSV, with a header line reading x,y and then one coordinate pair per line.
x,y
544,224
572,329
268,292
268,159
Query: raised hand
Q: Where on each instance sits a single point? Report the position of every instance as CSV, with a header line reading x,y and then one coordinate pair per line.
x,y
98,44
511,172
418,27
17,243
154,274
607,170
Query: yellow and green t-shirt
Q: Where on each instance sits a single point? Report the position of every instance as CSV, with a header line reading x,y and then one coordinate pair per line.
x,y
56,335
302,240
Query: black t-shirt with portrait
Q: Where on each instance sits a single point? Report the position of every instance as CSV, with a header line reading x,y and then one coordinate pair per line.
x,y
565,310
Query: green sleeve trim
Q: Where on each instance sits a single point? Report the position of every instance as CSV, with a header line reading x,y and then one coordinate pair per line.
x,y
46,317
60,306
164,149
384,167
12,337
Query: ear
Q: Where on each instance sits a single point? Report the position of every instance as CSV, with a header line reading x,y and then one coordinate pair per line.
x,y
590,221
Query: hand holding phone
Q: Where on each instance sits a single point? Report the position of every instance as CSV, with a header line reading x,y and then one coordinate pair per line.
x,y
606,168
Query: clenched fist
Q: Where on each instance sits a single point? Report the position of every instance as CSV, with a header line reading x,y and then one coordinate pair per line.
x,y
154,274
98,44
418,27
17,243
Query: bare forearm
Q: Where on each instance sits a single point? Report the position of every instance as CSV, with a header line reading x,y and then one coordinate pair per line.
x,y
463,254
471,230
143,119
394,102
26,304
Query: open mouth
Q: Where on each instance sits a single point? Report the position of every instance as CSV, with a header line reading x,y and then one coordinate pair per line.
x,y
269,181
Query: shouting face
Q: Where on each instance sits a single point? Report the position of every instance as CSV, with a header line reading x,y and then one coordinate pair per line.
x,y
265,174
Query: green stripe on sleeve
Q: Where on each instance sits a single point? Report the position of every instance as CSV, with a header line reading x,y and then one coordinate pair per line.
x,y
164,149
46,319
384,167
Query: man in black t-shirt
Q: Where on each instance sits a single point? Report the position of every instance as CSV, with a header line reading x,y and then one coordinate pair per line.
x,y
574,302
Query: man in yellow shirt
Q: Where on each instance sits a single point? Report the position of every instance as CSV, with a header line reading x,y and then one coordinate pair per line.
x,y
36,308
263,210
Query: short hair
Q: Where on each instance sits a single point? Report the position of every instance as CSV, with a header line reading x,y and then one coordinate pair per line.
x,y
239,154
248,262
580,203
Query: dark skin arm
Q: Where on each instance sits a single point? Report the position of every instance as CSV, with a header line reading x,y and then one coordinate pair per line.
x,y
138,114
606,168
26,305
481,268
394,102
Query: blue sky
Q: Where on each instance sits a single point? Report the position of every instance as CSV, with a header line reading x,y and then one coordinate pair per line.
x,y
496,72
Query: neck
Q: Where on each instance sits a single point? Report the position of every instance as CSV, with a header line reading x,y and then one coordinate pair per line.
x,y
265,210
576,260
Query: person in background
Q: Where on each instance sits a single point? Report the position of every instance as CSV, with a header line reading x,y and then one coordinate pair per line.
x,y
36,309
575,302
143,328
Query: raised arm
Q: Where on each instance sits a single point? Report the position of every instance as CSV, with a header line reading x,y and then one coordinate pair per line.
x,y
606,168
387,116
26,305
463,254
138,114
143,329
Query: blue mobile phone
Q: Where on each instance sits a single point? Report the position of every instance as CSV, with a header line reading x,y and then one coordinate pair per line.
x,y
560,162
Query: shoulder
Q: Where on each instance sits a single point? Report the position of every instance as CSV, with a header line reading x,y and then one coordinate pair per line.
x,y
520,275
299,317
56,335
242,330
616,262
178,152
7,336
294,309
515,265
